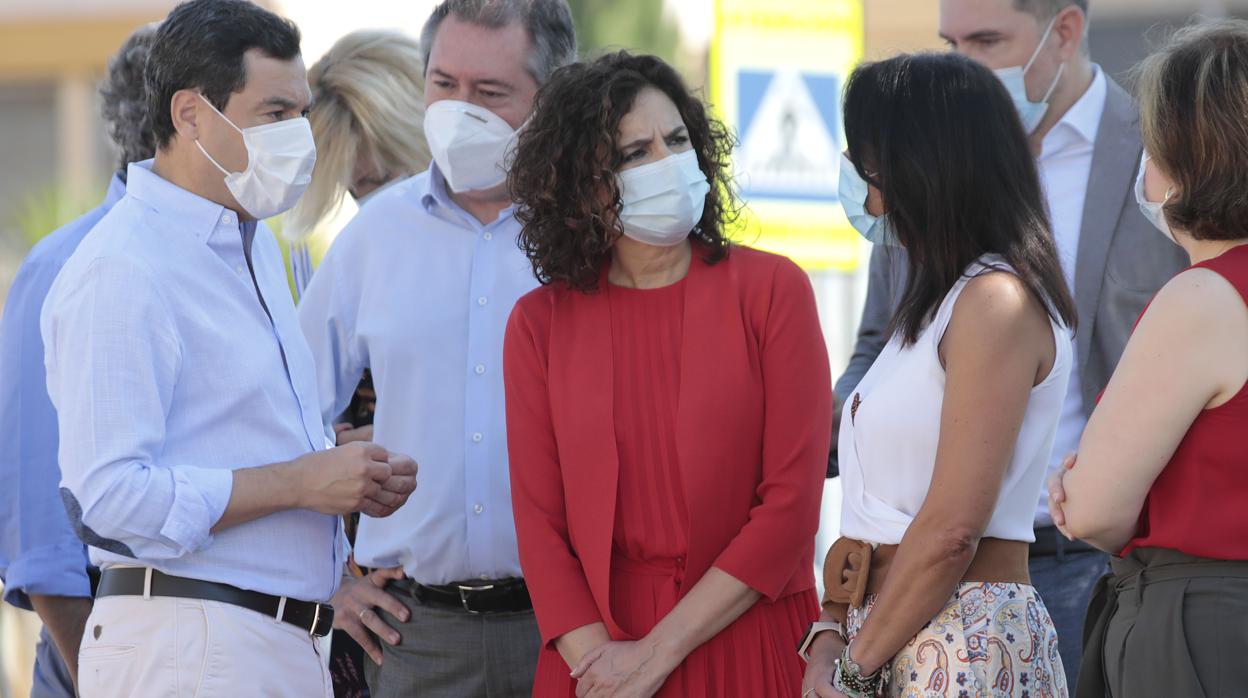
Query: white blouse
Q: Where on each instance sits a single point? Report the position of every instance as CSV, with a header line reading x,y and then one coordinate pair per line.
x,y
891,426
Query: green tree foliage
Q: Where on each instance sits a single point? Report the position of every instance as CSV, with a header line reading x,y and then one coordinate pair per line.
x,y
47,209
638,25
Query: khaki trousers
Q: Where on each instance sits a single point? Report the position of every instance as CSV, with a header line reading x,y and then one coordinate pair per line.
x,y
164,646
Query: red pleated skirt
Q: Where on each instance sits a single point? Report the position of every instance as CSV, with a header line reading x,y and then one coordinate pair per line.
x,y
754,657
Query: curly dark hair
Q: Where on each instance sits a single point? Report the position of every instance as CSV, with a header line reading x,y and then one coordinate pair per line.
x,y
123,100
563,175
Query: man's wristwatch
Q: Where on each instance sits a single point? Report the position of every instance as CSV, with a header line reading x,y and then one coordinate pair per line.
x,y
850,679
817,627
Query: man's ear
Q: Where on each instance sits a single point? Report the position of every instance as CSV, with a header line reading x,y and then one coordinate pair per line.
x,y
1070,26
184,109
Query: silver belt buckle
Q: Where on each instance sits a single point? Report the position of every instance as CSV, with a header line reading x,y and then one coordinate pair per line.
x,y
463,596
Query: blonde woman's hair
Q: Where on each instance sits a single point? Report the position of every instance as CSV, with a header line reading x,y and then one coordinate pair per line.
x,y
367,101
1194,119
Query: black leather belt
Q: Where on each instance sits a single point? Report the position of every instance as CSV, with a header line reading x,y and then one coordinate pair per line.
x,y
477,598
314,618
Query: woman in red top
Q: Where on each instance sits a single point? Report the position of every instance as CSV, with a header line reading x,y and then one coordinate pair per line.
x,y
668,397
1162,477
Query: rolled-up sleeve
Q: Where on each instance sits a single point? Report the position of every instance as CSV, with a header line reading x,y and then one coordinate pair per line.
x,y
797,393
113,359
39,552
561,596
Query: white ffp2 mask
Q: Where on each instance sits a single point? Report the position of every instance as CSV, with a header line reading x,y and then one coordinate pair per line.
x,y
470,144
280,158
662,201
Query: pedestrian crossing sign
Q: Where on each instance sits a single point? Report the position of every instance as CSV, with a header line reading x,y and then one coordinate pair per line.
x,y
777,71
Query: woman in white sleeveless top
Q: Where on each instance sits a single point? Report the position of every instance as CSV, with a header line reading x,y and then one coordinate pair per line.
x,y
945,441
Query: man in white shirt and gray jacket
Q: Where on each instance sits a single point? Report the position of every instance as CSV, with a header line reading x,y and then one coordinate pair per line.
x,y
1085,133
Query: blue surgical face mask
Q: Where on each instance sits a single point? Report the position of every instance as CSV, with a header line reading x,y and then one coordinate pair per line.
x,y
1153,210
1032,113
853,190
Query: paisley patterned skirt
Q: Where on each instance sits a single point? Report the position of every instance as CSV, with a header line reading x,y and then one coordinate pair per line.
x,y
989,641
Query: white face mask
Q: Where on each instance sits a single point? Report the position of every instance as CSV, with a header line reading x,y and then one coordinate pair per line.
x,y
1032,113
280,158
662,201
470,144
1153,210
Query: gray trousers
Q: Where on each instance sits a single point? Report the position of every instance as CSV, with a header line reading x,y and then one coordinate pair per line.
x,y
1168,625
449,653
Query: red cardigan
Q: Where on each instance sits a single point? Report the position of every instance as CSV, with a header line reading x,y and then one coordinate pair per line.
x,y
753,430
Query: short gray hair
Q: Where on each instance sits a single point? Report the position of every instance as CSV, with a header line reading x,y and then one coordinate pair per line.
x,y
549,23
1045,10
123,100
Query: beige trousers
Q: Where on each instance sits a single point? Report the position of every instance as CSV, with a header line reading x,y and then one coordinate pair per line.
x,y
164,646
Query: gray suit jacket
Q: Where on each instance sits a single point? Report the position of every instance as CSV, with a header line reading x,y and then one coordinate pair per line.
x,y
1121,262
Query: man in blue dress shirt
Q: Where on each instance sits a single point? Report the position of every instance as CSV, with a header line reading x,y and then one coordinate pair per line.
x,y
43,564
418,288
193,457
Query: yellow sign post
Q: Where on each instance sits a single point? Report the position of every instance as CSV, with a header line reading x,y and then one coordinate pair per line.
x,y
777,71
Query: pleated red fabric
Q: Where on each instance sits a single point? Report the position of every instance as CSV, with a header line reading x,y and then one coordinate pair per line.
x,y
754,657
651,519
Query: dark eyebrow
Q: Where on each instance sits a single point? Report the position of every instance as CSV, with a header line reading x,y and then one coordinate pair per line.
x,y
647,140
442,74
493,83
637,143
279,102
984,35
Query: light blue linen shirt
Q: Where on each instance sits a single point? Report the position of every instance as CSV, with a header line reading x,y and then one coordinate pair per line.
x,y
170,367
39,552
419,291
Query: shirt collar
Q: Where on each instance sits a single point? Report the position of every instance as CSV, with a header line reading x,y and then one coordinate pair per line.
x,y
116,190
438,194
192,212
1084,116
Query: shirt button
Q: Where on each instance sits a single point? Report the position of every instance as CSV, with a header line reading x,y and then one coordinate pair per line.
x,y
482,300
488,236
227,219
480,369
478,509
238,269
476,438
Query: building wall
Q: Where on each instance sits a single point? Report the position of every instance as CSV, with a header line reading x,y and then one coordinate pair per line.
x,y
894,26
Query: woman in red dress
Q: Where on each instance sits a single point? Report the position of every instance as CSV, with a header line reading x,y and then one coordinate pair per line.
x,y
668,397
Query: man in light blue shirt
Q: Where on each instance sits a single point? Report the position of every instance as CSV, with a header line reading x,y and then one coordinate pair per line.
x,y
418,288
43,564
192,452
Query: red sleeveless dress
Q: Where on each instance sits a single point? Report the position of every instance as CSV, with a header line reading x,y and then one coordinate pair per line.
x,y
1196,506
